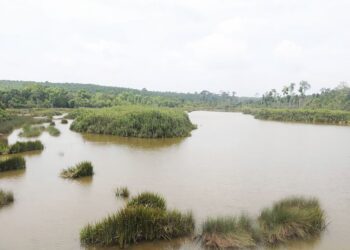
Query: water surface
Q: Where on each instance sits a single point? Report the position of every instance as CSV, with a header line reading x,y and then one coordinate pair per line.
x,y
231,163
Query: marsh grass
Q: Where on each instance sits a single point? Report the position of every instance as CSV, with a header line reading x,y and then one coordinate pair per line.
x,y
148,199
6,197
122,192
134,224
52,123
31,131
12,163
20,147
64,121
229,233
292,219
53,131
82,169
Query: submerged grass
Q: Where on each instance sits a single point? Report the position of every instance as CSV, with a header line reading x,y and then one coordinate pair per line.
x,y
138,223
148,199
31,131
122,192
13,163
82,169
229,233
6,197
292,218
53,131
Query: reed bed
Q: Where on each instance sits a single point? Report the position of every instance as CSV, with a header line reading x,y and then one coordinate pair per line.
x,y
30,131
148,199
12,163
20,147
82,169
6,197
122,192
53,131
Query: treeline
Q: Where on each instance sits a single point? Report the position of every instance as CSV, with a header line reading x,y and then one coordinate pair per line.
x,y
18,94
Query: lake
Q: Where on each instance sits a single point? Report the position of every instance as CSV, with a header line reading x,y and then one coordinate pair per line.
x,y
232,163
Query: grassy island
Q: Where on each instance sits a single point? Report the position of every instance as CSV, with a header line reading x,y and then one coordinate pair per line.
x,y
6,197
53,131
140,220
13,163
20,147
82,169
145,122
31,131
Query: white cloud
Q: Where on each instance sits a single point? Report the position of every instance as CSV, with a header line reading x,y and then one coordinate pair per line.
x,y
288,50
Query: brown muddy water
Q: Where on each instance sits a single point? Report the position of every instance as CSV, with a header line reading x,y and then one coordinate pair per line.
x,y
231,163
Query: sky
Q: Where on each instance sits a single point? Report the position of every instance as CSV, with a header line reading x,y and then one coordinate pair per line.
x,y
246,46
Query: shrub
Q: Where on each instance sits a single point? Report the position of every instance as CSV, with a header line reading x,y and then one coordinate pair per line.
x,y
53,131
64,121
16,162
148,199
20,147
134,224
229,233
31,131
145,122
122,192
80,170
292,218
5,197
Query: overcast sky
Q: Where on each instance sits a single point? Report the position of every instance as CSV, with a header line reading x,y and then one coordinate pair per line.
x,y
245,46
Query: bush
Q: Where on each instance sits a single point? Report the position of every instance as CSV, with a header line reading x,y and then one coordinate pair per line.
x,y
148,199
80,170
31,131
122,192
64,121
229,233
5,197
292,218
16,162
134,121
135,224
20,147
53,131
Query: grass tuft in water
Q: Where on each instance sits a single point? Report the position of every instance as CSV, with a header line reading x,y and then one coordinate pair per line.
x,y
229,233
6,197
64,121
53,131
148,199
82,169
52,123
13,163
122,192
31,131
20,147
292,218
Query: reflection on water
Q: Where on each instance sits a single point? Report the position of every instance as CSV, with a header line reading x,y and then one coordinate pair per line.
x,y
141,143
231,163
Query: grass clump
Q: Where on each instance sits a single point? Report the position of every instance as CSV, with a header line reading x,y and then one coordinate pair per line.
x,y
64,121
13,163
147,199
229,233
122,192
6,197
31,131
134,121
53,131
20,147
82,169
133,224
52,123
292,218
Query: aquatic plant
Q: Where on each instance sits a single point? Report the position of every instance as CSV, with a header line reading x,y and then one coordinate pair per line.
x,y
148,199
82,169
31,131
53,131
12,163
134,224
64,121
134,121
229,233
122,192
6,197
292,218
52,123
20,147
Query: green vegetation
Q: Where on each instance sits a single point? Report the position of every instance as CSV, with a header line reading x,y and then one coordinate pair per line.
x,y
133,224
147,199
31,131
292,218
134,121
229,233
13,163
6,197
82,169
20,147
122,192
64,121
301,115
53,131
52,123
